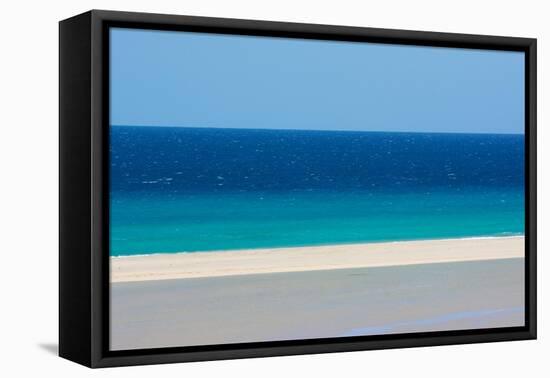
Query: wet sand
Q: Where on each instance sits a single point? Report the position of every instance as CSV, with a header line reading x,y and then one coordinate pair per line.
x,y
319,303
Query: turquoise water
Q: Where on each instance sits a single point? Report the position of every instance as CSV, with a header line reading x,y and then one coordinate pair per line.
x,y
187,190
190,223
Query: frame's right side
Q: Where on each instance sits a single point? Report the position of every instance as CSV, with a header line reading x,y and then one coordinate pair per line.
x,y
531,186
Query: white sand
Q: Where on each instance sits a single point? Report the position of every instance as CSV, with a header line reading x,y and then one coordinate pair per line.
x,y
274,260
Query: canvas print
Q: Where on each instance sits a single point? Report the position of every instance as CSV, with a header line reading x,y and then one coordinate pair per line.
x,y
270,189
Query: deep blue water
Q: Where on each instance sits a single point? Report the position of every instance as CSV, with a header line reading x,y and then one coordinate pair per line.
x,y
198,189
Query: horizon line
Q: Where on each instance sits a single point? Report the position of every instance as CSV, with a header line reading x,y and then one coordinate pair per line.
x,y
331,130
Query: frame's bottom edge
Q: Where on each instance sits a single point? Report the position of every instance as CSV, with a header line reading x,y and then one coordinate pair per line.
x,y
278,351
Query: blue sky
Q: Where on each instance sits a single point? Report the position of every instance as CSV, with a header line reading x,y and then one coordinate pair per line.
x,y
165,78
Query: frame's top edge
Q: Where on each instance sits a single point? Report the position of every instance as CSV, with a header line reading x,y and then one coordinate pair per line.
x,y
319,30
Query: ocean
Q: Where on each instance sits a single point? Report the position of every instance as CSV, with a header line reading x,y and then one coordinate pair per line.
x,y
175,189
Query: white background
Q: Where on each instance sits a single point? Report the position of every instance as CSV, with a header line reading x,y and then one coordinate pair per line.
x,y
29,186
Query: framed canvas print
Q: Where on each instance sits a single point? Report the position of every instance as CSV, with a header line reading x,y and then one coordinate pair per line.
x,y
233,188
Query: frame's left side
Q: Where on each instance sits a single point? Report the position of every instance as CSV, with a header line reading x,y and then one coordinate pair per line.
x,y
75,273
100,262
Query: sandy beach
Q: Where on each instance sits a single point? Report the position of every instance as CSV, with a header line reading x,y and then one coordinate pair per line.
x,y
300,259
317,304
314,292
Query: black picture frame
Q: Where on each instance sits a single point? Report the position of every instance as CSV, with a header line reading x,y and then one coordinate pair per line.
x,y
83,195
